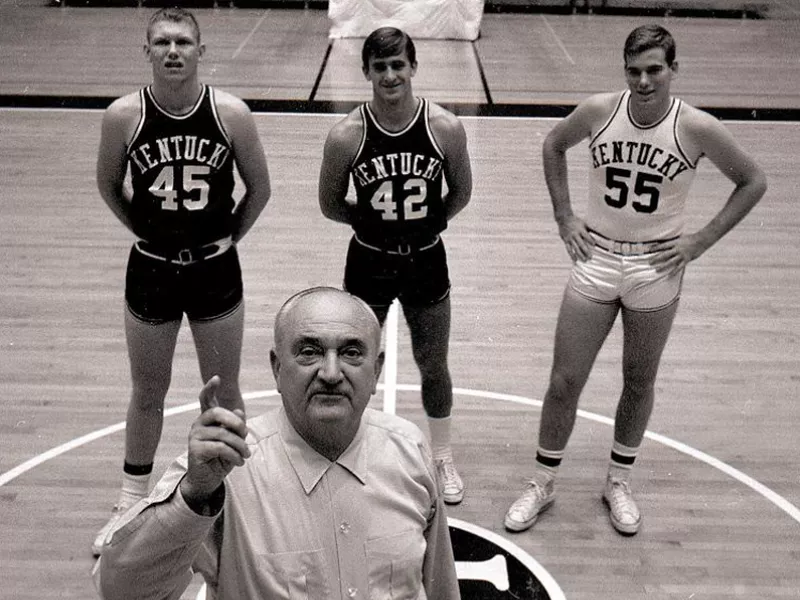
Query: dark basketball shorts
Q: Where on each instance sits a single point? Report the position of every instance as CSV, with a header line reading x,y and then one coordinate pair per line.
x,y
419,278
159,292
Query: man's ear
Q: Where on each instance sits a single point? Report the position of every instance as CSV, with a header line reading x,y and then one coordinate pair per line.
x,y
201,50
378,368
276,368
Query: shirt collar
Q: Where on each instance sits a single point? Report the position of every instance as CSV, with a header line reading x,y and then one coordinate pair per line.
x,y
310,465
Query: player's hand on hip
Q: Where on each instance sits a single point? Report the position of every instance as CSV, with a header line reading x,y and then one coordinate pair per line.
x,y
577,239
216,444
672,257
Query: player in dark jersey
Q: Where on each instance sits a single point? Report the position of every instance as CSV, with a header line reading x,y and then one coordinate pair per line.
x,y
399,150
180,140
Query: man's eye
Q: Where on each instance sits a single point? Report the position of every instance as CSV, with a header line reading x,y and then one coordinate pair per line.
x,y
352,353
308,351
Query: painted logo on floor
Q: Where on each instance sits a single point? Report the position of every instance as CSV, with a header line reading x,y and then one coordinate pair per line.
x,y
490,567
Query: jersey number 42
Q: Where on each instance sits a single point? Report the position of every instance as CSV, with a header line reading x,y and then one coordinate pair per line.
x,y
413,201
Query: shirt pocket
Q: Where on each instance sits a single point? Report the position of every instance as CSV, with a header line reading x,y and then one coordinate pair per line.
x,y
294,575
395,566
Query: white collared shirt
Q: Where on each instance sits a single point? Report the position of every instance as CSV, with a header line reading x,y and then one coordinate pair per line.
x,y
294,524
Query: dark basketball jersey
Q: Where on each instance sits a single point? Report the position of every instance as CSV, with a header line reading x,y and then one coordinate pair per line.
x,y
398,181
182,174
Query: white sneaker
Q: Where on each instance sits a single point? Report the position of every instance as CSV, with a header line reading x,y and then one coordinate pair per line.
x,y
622,510
100,539
449,480
526,509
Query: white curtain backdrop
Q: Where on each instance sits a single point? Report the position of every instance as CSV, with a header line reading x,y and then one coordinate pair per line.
x,y
437,19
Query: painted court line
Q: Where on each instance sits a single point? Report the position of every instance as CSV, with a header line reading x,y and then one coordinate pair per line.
x,y
773,497
390,361
558,39
250,35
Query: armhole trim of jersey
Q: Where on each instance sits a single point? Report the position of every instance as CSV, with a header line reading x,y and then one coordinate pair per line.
x,y
140,124
622,97
364,122
692,164
431,137
213,102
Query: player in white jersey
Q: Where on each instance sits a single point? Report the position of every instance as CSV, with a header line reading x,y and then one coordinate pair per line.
x,y
628,254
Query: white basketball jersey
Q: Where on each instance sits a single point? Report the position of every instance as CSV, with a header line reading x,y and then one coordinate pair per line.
x,y
639,177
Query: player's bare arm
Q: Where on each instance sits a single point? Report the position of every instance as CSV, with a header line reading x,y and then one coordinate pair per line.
x,y
580,124
705,135
119,121
452,139
340,149
250,160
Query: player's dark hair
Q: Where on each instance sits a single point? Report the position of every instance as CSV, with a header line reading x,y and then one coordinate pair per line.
x,y
387,41
647,37
174,14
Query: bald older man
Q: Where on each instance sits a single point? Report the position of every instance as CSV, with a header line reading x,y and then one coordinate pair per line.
x,y
321,498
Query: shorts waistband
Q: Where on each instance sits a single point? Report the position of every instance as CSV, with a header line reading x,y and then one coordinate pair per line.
x,y
399,249
626,248
185,256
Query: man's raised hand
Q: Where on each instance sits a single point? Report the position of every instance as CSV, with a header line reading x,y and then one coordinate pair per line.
x,y
216,446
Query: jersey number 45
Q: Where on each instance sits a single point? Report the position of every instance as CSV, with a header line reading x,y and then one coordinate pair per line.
x,y
192,191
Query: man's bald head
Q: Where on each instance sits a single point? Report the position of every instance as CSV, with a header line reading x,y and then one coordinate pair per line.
x,y
325,299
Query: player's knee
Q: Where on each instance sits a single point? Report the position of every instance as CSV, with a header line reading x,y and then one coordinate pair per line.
x,y
564,386
149,392
431,367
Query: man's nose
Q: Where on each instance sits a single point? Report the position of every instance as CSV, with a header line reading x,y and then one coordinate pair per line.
x,y
331,370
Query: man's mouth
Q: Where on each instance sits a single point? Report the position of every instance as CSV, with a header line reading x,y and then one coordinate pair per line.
x,y
329,397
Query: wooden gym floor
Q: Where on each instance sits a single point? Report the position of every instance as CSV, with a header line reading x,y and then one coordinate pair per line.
x,y
717,479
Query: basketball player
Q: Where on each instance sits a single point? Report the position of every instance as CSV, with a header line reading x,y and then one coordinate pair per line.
x,y
629,253
400,149
180,139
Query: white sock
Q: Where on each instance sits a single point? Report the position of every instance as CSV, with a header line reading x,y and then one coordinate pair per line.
x,y
440,437
134,488
545,474
621,463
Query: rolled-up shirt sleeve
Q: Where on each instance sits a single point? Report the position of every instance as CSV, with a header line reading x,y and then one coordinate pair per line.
x,y
151,552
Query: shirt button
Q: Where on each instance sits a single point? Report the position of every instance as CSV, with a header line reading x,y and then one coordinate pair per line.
x,y
352,592
344,527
